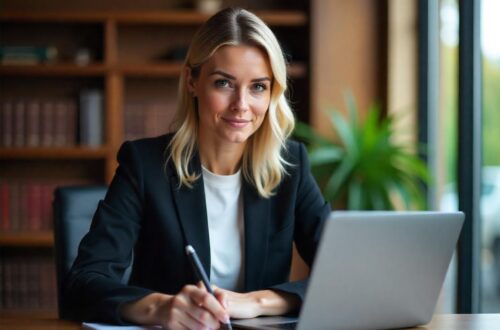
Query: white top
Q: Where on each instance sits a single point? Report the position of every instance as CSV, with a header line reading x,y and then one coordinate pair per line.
x,y
226,229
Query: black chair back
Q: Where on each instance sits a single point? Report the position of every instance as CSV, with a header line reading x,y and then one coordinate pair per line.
x,y
74,208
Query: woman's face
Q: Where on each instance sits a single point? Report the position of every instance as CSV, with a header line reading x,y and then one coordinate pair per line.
x,y
233,90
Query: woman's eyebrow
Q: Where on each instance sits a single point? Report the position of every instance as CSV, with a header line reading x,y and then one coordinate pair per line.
x,y
231,77
262,79
224,74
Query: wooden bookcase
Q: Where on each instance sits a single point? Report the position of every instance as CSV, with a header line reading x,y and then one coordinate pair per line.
x,y
129,63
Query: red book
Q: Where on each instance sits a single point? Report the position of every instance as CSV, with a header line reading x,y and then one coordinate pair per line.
x,y
34,207
2,281
14,202
46,206
24,206
4,206
36,221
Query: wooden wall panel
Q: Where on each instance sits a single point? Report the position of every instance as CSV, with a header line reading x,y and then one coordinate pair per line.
x,y
348,52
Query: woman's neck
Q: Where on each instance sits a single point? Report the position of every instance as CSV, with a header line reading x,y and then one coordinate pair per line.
x,y
222,159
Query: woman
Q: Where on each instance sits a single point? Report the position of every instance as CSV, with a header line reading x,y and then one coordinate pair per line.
x,y
227,182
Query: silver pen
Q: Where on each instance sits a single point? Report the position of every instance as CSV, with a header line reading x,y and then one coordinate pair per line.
x,y
200,273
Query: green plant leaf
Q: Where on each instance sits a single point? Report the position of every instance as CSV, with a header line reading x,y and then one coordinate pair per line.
x,y
309,135
325,155
355,196
345,132
366,169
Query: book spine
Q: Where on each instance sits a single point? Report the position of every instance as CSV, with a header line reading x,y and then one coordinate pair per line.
x,y
2,280
71,124
33,124
59,124
5,206
47,124
7,124
24,206
91,118
14,206
19,124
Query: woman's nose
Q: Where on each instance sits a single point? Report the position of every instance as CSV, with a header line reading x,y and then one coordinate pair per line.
x,y
240,101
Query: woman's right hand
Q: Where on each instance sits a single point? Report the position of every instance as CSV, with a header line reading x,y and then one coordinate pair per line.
x,y
192,308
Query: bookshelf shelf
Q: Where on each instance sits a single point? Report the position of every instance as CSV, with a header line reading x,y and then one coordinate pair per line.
x,y
54,153
27,239
37,314
174,17
168,70
59,69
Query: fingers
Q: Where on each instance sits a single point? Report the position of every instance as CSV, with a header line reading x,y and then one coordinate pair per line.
x,y
184,312
221,296
204,299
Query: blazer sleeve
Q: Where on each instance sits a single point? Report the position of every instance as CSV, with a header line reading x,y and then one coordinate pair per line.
x,y
94,291
311,212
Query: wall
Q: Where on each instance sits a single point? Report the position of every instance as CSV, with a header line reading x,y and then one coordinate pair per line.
x,y
348,52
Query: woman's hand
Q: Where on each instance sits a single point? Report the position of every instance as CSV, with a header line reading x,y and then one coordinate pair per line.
x,y
256,303
192,308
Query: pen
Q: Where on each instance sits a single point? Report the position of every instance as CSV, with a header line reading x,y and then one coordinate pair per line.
x,y
200,273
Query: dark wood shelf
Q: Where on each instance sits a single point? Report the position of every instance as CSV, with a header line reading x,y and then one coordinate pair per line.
x,y
56,69
175,17
27,239
53,153
42,314
171,70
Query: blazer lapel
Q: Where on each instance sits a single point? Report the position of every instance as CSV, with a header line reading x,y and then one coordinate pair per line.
x,y
192,212
256,213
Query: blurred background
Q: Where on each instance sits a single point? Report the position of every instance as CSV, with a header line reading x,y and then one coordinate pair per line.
x,y
77,78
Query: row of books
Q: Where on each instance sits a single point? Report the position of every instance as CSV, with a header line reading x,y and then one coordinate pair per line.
x,y
26,206
33,123
27,54
147,119
53,123
27,282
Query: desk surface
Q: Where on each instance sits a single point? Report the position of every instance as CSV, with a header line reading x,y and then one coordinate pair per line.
x,y
439,322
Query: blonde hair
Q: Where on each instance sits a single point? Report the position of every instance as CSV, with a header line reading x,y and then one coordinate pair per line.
x,y
263,164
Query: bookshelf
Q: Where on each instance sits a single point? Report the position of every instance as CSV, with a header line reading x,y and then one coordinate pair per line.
x,y
133,59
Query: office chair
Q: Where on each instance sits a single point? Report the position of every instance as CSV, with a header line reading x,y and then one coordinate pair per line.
x,y
74,208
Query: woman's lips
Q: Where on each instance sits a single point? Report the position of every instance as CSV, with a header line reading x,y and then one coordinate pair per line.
x,y
236,123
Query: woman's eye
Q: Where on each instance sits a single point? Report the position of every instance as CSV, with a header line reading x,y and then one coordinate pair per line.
x,y
259,87
222,83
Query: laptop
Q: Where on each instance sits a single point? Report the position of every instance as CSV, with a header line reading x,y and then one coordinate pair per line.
x,y
374,270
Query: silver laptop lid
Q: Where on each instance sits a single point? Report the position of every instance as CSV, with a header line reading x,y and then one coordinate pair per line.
x,y
379,269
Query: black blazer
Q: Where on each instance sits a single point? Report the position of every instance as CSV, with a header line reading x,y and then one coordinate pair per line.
x,y
146,214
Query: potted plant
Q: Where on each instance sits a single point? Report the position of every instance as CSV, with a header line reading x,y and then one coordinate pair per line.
x,y
366,169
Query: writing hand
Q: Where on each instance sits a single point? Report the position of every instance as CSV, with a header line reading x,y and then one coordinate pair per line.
x,y
192,308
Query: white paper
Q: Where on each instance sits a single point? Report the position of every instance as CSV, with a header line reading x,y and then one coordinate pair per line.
x,y
104,326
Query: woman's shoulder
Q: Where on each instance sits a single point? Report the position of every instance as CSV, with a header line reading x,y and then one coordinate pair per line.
x,y
149,145
293,151
145,149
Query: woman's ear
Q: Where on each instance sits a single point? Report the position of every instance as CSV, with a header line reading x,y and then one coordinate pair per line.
x,y
190,81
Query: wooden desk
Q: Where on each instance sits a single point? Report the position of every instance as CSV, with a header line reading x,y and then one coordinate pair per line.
x,y
439,322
